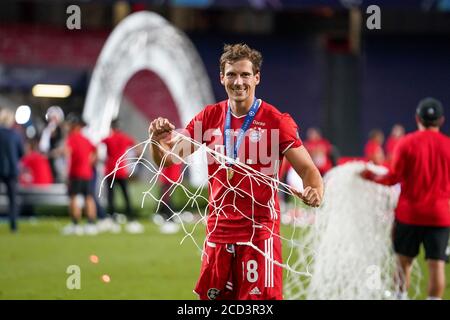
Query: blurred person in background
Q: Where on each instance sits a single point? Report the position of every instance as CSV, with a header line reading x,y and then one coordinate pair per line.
x,y
11,150
397,132
35,171
101,214
52,142
169,176
34,167
117,143
320,150
104,223
81,155
421,164
373,150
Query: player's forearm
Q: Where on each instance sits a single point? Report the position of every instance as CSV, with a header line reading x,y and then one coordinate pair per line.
x,y
312,178
173,152
158,154
160,131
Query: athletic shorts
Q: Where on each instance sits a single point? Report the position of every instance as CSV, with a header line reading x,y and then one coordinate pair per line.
x,y
239,272
80,186
408,238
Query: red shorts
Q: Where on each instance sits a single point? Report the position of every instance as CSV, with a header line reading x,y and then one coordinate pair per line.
x,y
239,272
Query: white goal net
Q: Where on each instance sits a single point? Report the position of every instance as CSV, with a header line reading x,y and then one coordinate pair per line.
x,y
351,242
340,251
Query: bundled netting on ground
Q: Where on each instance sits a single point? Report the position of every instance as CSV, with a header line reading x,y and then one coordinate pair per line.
x,y
351,242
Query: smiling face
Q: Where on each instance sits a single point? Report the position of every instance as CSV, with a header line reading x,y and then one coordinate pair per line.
x,y
240,81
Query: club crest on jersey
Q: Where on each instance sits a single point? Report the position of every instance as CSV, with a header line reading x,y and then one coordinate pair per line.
x,y
213,293
255,135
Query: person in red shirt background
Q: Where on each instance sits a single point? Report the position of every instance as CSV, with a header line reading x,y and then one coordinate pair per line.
x,y
373,150
117,143
81,155
169,176
397,132
320,150
421,164
35,167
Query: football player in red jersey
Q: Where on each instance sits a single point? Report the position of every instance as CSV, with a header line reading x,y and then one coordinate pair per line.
x,y
260,136
373,150
35,167
397,133
117,143
421,164
81,154
320,150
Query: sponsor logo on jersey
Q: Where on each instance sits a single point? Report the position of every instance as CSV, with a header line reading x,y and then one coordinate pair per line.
x,y
255,290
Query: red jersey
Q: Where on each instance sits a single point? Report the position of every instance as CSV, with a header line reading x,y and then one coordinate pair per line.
x,y
421,163
372,149
320,154
171,174
391,143
37,169
81,150
250,211
117,144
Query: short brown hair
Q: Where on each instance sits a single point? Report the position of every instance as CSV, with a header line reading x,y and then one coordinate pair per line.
x,y
235,52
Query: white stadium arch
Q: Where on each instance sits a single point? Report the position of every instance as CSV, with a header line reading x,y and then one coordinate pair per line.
x,y
146,41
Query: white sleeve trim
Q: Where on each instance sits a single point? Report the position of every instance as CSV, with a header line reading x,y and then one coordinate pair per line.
x,y
287,148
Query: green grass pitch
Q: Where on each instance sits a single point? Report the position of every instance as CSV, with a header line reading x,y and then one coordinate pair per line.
x,y
151,266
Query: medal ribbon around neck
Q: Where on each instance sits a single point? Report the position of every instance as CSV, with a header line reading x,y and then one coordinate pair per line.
x,y
245,126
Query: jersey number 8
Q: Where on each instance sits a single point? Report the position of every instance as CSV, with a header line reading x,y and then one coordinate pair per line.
x,y
252,271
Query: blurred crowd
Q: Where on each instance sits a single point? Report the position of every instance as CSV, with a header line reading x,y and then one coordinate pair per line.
x,y
63,153
325,156
377,149
380,152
